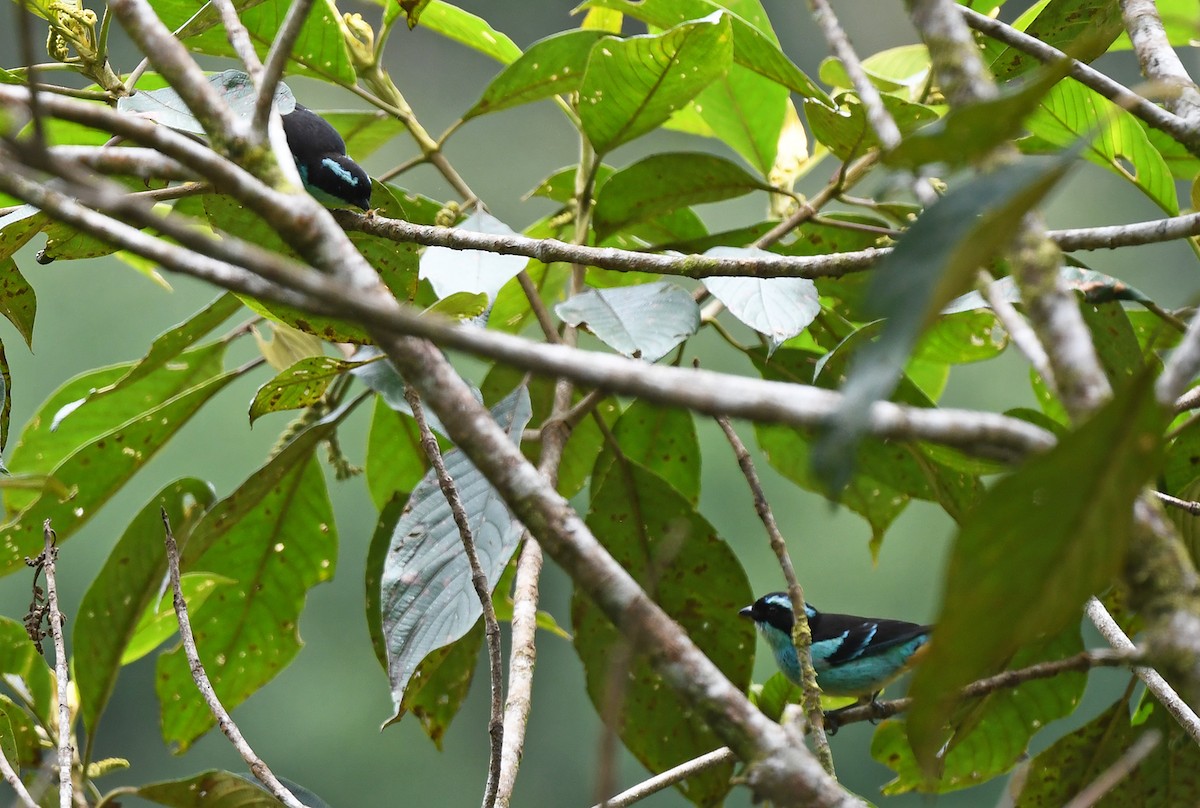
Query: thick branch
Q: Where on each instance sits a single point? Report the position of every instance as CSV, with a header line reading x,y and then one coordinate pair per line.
x,y
1159,60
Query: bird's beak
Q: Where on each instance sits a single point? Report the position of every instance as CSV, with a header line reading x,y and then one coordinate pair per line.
x,y
747,612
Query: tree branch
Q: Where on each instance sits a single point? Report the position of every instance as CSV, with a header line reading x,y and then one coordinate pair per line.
x,y
1159,60
669,778
56,619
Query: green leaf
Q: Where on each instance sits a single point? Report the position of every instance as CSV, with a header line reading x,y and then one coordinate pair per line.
x,y
209,789
300,386
462,27
460,305
667,181
23,743
100,467
647,320
129,583
1082,28
672,551
661,440
993,733
1116,345
158,622
845,131
904,68
365,132
395,460
1169,775
931,264
320,50
1115,139
17,301
745,111
753,47
551,66
428,599
276,538
1077,499
20,658
19,227
439,686
632,86
397,264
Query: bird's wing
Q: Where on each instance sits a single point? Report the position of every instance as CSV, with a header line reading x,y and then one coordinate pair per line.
x,y
863,636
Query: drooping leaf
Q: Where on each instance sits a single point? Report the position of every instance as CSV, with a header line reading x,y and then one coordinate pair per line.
x,y
647,320
902,70
932,263
209,789
18,303
428,599
695,577
301,385
276,538
845,131
632,86
168,345
23,744
463,27
1116,345
666,181
777,308
19,227
164,106
753,47
991,734
661,440
475,271
1078,500
551,66
99,467
20,658
132,579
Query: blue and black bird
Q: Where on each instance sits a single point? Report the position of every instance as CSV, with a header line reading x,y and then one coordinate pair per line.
x,y
852,656
320,154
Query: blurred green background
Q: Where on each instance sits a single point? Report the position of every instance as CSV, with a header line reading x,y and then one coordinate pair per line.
x,y
318,722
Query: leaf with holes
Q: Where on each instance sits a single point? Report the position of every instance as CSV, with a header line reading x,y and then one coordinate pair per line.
x,y
301,385
634,85
551,66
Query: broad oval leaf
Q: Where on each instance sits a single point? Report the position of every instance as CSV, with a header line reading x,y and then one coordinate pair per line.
x,y
428,600
18,303
753,47
634,85
777,308
662,440
667,181
475,271
552,66
647,320
461,26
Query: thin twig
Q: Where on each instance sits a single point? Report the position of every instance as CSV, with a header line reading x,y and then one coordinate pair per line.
x,y
669,778
240,39
482,589
1159,60
1018,329
1121,768
1166,695
1083,661
10,777
65,751
801,633
224,722
281,51
1185,505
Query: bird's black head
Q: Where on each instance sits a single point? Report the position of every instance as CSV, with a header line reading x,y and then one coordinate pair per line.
x,y
775,610
320,155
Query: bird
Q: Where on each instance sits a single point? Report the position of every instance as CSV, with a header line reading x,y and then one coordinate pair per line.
x,y
852,656
328,173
